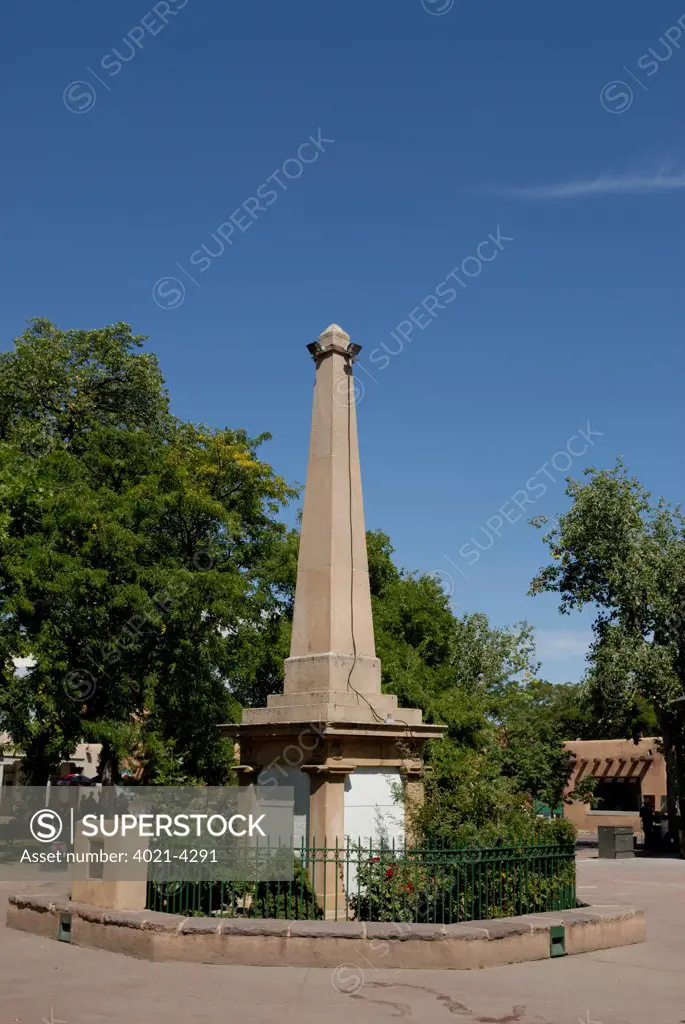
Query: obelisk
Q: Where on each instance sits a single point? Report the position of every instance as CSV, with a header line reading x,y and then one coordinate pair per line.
x,y
333,734
333,673
333,647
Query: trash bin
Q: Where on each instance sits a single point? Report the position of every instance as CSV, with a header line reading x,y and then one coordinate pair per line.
x,y
615,841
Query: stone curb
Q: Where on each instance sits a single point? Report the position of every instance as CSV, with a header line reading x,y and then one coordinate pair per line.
x,y
150,935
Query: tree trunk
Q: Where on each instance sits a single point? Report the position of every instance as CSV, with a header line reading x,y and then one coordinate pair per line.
x,y
679,751
39,762
672,793
674,754
108,765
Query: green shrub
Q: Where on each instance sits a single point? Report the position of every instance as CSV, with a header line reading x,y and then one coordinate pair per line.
x,y
513,828
442,883
291,900
294,900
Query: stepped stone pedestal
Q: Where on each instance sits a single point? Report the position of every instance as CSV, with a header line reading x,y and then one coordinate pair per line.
x,y
332,733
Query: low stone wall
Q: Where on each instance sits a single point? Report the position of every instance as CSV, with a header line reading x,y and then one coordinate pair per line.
x,y
152,936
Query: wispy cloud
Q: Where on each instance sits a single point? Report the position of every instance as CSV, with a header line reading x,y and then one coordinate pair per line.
x,y
606,184
555,644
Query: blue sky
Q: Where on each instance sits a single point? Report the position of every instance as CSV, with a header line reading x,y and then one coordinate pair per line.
x,y
133,132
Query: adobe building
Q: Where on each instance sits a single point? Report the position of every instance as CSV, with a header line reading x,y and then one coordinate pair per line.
x,y
83,761
627,773
343,745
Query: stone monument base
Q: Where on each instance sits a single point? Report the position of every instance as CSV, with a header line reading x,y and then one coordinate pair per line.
x,y
353,782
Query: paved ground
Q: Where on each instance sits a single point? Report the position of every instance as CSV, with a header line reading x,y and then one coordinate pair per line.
x,y
45,981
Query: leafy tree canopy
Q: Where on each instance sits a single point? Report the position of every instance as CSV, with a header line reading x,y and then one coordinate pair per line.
x,y
480,681
134,555
623,554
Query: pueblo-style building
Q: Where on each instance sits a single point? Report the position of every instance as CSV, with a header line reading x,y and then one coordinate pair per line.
x,y
83,761
627,774
343,745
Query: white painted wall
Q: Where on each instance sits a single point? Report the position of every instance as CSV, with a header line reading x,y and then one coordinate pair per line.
x,y
299,782
371,813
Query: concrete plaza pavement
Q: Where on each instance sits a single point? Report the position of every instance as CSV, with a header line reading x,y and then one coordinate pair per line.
x,y
47,981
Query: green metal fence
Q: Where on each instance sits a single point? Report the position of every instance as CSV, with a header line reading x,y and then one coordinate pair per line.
x,y
432,884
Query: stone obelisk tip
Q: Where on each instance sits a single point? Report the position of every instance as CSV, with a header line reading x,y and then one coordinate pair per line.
x,y
335,329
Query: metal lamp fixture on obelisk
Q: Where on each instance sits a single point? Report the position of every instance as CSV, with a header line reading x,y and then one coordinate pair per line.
x,y
332,734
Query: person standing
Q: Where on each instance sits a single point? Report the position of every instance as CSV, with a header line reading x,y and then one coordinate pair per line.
x,y
647,819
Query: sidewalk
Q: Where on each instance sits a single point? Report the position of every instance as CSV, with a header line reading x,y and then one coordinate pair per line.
x,y
631,985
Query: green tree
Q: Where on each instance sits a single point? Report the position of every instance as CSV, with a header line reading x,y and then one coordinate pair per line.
x,y
537,718
620,552
134,555
468,675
